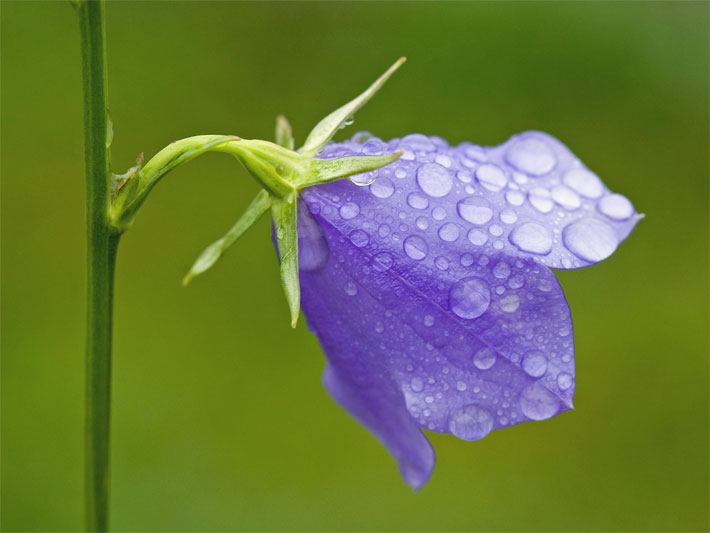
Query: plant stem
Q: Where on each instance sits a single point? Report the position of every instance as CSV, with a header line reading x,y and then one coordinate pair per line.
x,y
102,244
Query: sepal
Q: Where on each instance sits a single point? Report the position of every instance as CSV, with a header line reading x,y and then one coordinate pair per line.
x,y
284,213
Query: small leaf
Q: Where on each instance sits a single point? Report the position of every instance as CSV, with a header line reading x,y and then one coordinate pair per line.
x,y
284,213
214,251
284,134
325,170
328,127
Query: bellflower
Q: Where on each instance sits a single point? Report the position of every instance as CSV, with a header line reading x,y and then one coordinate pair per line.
x,y
428,284
425,275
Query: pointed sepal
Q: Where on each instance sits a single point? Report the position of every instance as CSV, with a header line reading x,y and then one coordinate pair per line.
x,y
329,126
284,213
284,133
214,251
325,170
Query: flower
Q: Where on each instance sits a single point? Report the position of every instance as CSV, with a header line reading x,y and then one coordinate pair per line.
x,y
428,284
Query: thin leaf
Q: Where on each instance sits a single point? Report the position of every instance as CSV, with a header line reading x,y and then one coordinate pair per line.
x,y
284,133
328,127
325,170
214,251
284,213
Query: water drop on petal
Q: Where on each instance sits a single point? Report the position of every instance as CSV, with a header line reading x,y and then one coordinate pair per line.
x,y
470,297
470,422
532,237
590,239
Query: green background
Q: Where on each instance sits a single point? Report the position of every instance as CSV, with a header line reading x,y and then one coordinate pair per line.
x,y
220,421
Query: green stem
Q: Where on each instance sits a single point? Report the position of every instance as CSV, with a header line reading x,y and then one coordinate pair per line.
x,y
102,245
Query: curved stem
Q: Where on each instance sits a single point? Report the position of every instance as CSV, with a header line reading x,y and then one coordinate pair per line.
x,y
102,246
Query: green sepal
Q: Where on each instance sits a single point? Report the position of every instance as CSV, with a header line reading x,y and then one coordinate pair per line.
x,y
214,251
329,126
284,133
285,215
325,170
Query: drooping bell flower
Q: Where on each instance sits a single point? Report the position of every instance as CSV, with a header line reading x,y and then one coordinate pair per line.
x,y
426,275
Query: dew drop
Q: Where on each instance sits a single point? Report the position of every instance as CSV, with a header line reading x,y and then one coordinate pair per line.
x,y
364,179
422,223
541,199
538,403
510,303
417,385
475,210
616,207
400,173
441,263
515,198
415,247
531,156
428,321
534,363
470,422
461,386
508,216
564,381
566,197
496,230
584,182
443,160
491,177
382,188
382,262
349,210
484,358
417,201
449,232
477,237
439,213
434,180
532,237
350,288
359,238
590,239
501,270
466,259
419,142
470,297
384,230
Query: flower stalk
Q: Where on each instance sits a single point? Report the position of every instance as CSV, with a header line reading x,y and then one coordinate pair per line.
x,y
102,245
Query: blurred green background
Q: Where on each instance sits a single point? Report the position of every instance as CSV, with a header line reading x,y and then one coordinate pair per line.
x,y
220,421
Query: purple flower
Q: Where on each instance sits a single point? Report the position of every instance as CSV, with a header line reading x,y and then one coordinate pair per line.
x,y
428,284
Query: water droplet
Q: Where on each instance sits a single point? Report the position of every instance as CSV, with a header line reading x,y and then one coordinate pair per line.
x,y
428,321
484,358
616,207
350,288
535,363
566,197
384,230
508,216
466,259
415,247
491,177
470,297
564,381
364,179
531,156
461,386
477,237
501,270
496,230
359,238
422,223
439,213
515,198
470,422
443,160
372,147
590,239
538,403
464,176
400,173
541,199
349,210
417,201
382,188
382,262
417,385
429,399
434,180
441,263
510,303
379,327
419,142
475,210
449,232
584,182
532,237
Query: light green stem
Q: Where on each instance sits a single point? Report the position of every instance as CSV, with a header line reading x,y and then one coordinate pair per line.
x,y
102,245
